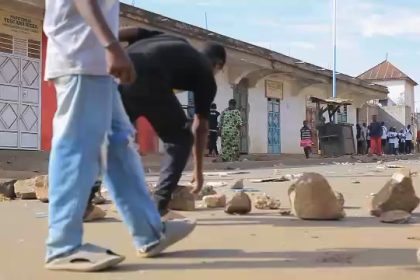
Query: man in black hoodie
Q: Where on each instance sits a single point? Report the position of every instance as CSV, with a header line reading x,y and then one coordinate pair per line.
x,y
163,63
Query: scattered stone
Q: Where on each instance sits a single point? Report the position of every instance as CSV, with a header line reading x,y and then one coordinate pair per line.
x,y
269,180
397,194
394,166
355,182
264,202
182,199
413,238
41,188
207,190
215,201
25,189
312,198
94,213
237,185
240,203
7,189
395,217
216,174
285,212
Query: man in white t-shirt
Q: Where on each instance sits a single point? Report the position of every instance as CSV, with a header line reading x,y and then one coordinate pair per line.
x,y
384,137
408,140
83,61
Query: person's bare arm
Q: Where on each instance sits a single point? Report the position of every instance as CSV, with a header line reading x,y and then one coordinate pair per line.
x,y
128,34
119,65
200,131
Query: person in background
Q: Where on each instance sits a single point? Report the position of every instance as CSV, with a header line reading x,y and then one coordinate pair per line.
x,y
306,139
364,138
393,141
213,130
408,140
230,125
375,137
384,137
418,140
359,139
401,142
368,143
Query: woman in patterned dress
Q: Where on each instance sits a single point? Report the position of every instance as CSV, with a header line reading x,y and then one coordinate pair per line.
x,y
230,124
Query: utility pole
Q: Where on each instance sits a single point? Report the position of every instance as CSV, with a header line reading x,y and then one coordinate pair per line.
x,y
334,82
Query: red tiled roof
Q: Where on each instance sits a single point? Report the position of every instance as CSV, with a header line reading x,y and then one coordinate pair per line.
x,y
385,71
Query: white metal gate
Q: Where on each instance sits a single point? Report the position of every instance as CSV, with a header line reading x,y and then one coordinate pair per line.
x,y
19,102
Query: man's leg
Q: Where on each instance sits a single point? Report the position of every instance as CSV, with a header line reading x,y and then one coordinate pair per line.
x,y
409,144
126,183
83,116
168,119
379,145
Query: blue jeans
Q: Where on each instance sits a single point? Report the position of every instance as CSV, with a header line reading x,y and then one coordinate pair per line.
x,y
89,114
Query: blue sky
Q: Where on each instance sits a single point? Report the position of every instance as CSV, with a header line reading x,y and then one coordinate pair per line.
x,y
367,29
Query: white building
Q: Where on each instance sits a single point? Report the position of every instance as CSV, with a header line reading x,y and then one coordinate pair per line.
x,y
400,85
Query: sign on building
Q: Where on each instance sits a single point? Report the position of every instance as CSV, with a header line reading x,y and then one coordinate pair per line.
x,y
273,89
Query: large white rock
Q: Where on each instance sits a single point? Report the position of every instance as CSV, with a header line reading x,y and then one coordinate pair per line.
x,y
182,199
312,198
239,203
215,200
397,194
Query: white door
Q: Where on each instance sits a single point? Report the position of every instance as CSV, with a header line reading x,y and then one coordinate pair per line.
x,y
19,103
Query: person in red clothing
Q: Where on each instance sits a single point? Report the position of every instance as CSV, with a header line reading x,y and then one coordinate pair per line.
x,y
376,136
418,141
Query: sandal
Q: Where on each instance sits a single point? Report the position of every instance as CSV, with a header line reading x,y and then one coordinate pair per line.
x,y
87,258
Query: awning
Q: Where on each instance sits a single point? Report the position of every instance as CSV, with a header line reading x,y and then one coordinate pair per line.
x,y
332,101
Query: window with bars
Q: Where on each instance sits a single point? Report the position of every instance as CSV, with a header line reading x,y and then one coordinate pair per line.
x,y
342,115
13,45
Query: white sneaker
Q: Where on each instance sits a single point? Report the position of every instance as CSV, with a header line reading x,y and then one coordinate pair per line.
x,y
174,231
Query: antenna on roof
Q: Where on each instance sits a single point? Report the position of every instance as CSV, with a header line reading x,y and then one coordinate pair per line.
x,y
386,57
133,3
205,17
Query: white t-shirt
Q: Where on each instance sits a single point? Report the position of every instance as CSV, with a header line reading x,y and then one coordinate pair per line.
x,y
72,46
384,133
393,137
408,134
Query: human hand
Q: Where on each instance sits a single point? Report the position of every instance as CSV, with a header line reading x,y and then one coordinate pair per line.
x,y
119,64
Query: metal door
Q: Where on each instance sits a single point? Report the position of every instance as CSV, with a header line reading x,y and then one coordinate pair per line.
x,y
19,102
274,140
240,94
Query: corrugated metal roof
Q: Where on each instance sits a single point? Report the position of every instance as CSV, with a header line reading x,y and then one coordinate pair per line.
x,y
385,71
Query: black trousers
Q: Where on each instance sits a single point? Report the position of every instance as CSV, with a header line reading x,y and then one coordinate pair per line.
x,y
212,142
408,146
161,108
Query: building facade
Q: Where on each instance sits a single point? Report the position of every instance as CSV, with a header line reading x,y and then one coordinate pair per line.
x,y
272,90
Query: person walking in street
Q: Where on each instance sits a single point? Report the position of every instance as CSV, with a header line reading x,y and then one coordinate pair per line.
x,y
213,131
165,62
84,59
408,140
230,125
376,137
384,137
306,139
